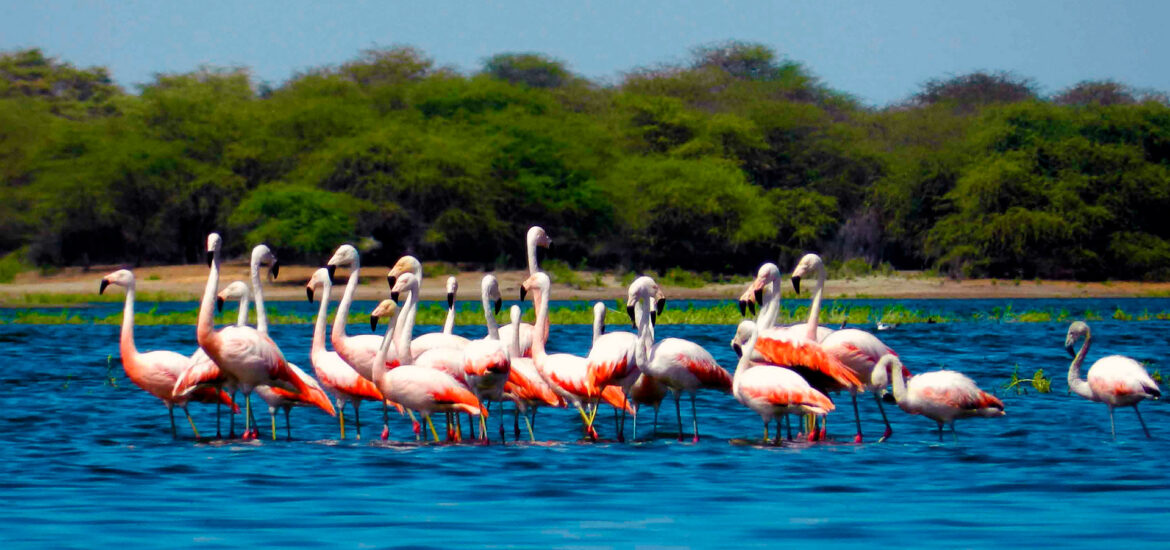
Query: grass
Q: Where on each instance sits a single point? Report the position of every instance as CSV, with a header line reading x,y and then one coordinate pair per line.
x,y
37,299
1038,381
12,265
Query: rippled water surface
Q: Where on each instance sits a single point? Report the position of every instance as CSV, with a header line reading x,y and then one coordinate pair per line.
x,y
87,463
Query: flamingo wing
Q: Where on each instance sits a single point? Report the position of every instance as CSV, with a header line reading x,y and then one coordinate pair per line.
x,y
610,360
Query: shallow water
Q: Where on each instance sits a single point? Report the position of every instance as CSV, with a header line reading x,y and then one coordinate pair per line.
x,y
86,463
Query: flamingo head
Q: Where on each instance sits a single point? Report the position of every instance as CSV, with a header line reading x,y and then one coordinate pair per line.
x,y
880,377
644,289
743,333
234,291
452,288
122,277
405,264
1075,331
490,289
538,237
405,283
345,256
263,256
320,279
536,283
386,309
599,318
214,245
810,263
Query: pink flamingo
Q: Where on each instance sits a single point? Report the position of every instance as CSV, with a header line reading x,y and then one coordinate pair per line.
x,y
525,385
611,361
566,374
203,370
942,396
487,365
430,341
156,371
858,350
682,365
769,390
536,237
338,377
646,391
421,389
252,358
1116,380
766,290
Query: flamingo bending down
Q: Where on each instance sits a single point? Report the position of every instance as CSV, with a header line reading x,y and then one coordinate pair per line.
x,y
858,350
942,396
338,377
682,365
536,237
421,389
611,361
433,340
156,371
566,374
252,358
769,390
1116,380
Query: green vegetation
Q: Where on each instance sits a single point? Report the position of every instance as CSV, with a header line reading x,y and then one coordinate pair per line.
x,y
713,165
1038,381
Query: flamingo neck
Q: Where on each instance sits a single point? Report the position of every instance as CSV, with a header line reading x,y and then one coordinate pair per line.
x,y
405,333
1075,383
645,331
322,312
814,312
242,316
514,345
598,325
379,367
126,342
898,381
532,267
449,322
493,328
771,307
204,329
540,326
258,291
745,361
342,316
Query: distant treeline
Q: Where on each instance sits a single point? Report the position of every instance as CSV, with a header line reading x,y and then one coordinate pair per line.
x,y
735,157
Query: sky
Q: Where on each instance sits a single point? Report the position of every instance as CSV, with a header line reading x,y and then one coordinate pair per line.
x,y
880,52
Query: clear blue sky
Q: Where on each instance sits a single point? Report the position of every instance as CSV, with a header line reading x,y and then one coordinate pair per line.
x,y
879,52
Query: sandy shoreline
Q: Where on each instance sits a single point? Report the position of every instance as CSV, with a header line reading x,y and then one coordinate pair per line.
x,y
185,282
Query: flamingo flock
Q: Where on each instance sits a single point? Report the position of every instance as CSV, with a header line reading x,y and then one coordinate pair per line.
x,y
782,371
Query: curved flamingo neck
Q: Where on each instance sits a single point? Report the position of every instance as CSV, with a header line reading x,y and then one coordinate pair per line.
x,y
242,315
489,317
258,291
1075,383
814,312
898,381
126,341
532,267
204,329
342,316
744,359
379,367
598,325
405,333
449,322
514,345
645,331
771,307
322,312
540,326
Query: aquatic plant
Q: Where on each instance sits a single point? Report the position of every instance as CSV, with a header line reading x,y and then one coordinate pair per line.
x,y
1040,382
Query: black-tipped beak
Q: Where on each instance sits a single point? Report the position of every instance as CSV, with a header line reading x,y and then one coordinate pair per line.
x,y
889,398
752,306
661,306
796,284
394,295
275,269
219,304
654,318
630,312
309,294
1069,349
390,280
373,323
102,288
498,305
210,257
742,308
332,269
759,294
523,293
450,300
737,349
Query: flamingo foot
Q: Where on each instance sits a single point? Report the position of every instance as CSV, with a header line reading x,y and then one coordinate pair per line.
x,y
416,427
696,439
886,435
821,436
621,437
812,435
450,433
385,433
857,438
503,436
591,432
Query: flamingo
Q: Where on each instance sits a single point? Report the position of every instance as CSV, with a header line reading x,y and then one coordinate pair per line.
x,y
1116,380
566,374
421,389
204,369
765,290
487,365
856,349
611,360
536,237
252,358
430,341
156,371
646,391
338,377
942,396
682,365
525,385
769,390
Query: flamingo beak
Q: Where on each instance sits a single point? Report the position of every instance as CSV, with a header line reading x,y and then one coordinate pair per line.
x,y
796,284
102,288
373,323
309,293
210,257
759,295
737,349
450,300
390,280
499,305
752,306
275,271
332,269
742,308
219,304
1069,348
661,305
630,312
523,292
654,318
394,295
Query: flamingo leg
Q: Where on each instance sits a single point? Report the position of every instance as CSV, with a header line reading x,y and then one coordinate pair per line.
x,y
694,417
678,413
272,415
856,418
171,411
621,426
776,441
196,430
287,424
1139,415
386,420
940,432
357,420
889,431
341,417
516,423
765,431
247,415
636,409
531,434
788,423
232,418
655,432
1112,429
954,434
503,438
218,408
588,427
431,425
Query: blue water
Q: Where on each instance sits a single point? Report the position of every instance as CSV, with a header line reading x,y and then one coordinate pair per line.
x,y
84,463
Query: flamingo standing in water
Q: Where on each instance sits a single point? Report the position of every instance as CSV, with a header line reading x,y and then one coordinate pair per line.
x,y
682,365
433,340
858,350
536,237
250,357
566,374
156,371
487,364
525,385
421,389
1116,380
611,360
338,377
942,396
205,370
769,390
